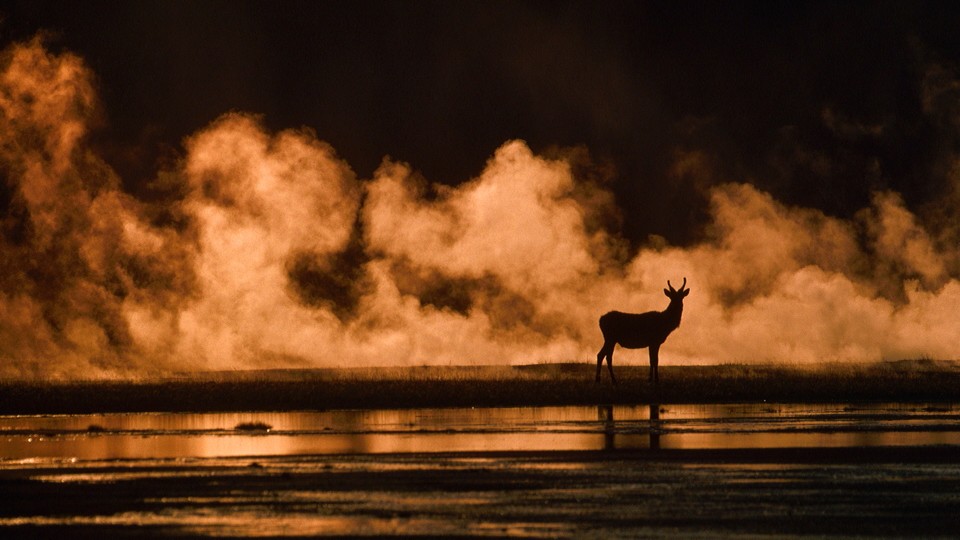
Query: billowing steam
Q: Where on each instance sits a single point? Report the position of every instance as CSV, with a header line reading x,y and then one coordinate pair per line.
x,y
274,255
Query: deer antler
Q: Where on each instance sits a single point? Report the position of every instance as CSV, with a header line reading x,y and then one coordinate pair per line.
x,y
683,285
671,286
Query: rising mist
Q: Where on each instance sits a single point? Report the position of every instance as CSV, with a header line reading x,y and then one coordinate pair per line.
x,y
268,251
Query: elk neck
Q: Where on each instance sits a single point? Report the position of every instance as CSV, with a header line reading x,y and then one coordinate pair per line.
x,y
673,312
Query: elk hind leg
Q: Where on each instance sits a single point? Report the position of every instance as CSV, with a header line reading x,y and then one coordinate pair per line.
x,y
606,352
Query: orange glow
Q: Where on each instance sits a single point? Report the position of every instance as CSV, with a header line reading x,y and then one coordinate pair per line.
x,y
502,269
214,435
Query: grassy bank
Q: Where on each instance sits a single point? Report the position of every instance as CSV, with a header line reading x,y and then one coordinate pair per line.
x,y
488,386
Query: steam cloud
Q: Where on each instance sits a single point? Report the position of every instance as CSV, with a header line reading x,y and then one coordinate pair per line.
x,y
274,254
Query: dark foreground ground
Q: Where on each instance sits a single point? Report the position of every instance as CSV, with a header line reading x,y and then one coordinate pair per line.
x,y
491,386
880,483
845,492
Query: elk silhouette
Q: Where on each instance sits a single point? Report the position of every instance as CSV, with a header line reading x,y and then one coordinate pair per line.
x,y
639,330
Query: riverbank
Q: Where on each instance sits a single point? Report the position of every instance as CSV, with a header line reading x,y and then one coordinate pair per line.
x,y
919,381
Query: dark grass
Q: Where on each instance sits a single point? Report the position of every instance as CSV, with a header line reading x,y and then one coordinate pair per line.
x,y
919,381
253,426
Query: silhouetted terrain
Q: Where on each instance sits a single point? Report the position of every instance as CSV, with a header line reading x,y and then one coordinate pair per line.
x,y
488,386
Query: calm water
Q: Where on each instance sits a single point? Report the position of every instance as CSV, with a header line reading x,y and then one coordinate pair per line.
x,y
889,470
210,435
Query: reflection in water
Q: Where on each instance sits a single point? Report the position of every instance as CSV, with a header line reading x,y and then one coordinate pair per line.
x,y
651,426
605,415
655,426
425,472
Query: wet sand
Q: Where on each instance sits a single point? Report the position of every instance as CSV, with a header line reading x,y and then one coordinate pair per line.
x,y
839,470
913,491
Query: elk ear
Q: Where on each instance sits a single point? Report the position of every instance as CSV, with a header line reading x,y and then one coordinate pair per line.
x,y
685,293
666,292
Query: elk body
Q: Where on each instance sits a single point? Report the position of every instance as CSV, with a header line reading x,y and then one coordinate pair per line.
x,y
639,330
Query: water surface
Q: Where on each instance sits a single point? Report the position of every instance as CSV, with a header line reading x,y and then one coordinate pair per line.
x,y
578,472
210,435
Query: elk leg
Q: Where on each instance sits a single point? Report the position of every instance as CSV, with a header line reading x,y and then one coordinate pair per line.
x,y
604,351
654,360
610,364
600,356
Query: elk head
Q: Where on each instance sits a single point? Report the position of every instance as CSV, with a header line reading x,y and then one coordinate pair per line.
x,y
676,295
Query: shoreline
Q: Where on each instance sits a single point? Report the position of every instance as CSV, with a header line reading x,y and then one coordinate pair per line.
x,y
917,381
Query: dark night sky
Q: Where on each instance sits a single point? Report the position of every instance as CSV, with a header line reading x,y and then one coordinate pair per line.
x,y
818,103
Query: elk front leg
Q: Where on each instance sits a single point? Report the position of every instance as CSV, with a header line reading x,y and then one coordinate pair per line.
x,y
654,360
